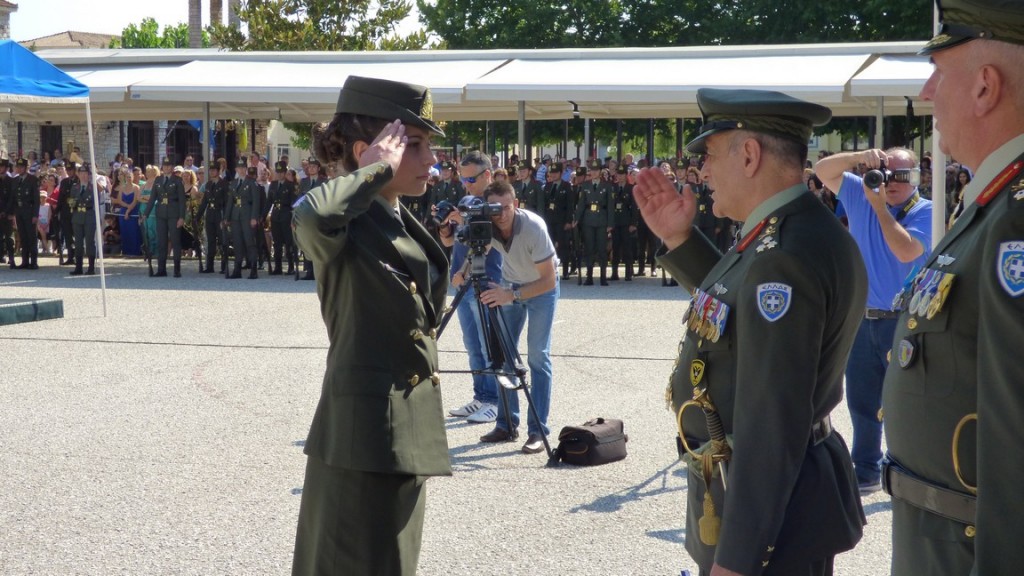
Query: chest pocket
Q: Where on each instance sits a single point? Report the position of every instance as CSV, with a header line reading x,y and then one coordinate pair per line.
x,y
926,346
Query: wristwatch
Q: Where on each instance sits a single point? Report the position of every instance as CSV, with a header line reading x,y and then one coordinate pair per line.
x,y
517,295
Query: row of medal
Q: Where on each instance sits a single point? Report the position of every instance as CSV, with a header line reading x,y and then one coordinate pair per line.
x,y
707,315
928,293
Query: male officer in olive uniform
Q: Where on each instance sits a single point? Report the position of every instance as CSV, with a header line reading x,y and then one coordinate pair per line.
x,y
212,211
65,189
313,180
83,221
24,208
593,218
282,195
770,326
554,199
6,226
243,214
527,188
623,222
953,397
168,199
379,424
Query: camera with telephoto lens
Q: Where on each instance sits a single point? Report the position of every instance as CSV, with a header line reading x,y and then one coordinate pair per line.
x,y
876,178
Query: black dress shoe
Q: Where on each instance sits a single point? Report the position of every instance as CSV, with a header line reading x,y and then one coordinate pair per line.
x,y
75,272
252,275
234,276
498,435
206,271
176,274
614,278
588,282
604,282
641,274
160,274
534,444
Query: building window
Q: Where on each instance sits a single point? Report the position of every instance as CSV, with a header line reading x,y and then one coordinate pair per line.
x,y
282,151
50,140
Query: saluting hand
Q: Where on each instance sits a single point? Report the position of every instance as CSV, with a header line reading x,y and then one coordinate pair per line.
x,y
669,214
387,147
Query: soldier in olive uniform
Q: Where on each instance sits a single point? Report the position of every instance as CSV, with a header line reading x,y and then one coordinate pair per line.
x,y
168,199
282,195
313,180
770,326
952,398
379,429
554,198
418,206
6,226
212,211
24,207
593,218
65,189
446,189
83,220
243,215
623,222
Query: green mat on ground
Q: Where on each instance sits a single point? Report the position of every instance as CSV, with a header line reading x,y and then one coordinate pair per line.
x,y
17,310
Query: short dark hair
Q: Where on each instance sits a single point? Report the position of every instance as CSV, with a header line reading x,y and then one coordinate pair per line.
x,y
499,188
477,159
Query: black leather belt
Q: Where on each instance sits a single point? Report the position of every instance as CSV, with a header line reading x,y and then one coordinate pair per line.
x,y
878,314
821,430
900,483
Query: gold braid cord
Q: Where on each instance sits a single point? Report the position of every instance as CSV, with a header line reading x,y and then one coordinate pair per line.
x,y
956,452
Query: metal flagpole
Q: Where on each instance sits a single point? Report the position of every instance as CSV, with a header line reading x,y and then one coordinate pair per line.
x,y
97,206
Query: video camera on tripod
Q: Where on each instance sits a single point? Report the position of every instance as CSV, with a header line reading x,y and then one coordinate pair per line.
x,y
477,229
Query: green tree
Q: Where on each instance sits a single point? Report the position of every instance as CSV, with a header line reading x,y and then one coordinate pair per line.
x,y
147,34
327,25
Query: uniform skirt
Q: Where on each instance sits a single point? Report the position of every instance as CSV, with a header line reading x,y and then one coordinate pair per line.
x,y
358,523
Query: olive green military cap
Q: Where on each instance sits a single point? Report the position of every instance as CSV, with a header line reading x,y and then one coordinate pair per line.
x,y
389,100
280,167
556,167
964,20
758,111
582,171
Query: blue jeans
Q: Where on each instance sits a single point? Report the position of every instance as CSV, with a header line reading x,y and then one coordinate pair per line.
x,y
540,310
865,372
485,387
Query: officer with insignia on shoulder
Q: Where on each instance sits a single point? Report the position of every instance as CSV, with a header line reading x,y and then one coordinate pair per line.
x,y
526,187
771,488
953,399
6,226
168,199
593,218
65,189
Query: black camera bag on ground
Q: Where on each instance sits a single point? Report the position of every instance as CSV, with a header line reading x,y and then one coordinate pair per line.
x,y
595,442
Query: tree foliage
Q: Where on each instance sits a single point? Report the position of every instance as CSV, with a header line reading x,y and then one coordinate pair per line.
x,y
531,24
147,34
326,25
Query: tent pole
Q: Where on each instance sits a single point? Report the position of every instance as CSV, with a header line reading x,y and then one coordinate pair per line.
x,y
205,141
522,132
97,205
586,142
880,124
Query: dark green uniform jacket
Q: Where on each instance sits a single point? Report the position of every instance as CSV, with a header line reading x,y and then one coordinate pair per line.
x,y
965,359
243,201
594,206
795,292
380,409
167,198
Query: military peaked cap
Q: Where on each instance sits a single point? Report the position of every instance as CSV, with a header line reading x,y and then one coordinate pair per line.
x,y
556,167
377,98
280,167
21,163
757,111
964,20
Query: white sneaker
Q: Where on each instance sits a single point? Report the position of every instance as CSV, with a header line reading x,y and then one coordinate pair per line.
x,y
486,413
468,409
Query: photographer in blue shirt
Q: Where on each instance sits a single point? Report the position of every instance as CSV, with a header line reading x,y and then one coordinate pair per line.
x,y
891,224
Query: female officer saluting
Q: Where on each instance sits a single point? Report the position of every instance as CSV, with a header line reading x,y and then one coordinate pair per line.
x,y
378,430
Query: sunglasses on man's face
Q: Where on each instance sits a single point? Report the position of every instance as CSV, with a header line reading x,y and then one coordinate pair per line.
x,y
472,179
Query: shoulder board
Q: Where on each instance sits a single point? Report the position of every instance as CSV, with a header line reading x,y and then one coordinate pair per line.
x,y
751,236
999,182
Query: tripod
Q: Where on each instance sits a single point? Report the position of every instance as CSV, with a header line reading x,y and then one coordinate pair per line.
x,y
506,365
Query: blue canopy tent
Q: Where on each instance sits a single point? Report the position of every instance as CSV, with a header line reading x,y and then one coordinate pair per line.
x,y
26,79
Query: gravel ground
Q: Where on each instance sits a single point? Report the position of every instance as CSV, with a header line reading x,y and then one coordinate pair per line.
x,y
166,438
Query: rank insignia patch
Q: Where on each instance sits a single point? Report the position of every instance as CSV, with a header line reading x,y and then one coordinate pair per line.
x,y
1011,267
773,300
